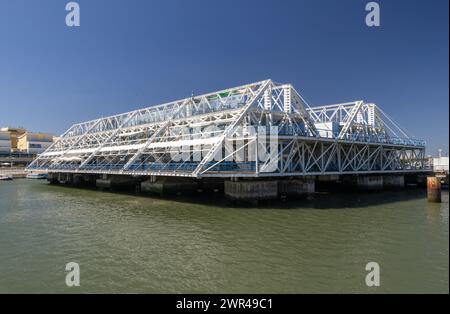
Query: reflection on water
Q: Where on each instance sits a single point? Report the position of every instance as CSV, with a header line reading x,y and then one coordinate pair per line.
x,y
127,243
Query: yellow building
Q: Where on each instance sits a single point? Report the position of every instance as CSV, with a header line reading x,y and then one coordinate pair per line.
x,y
34,143
14,134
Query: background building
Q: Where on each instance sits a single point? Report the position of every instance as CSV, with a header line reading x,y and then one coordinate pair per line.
x,y
5,142
34,143
440,163
14,134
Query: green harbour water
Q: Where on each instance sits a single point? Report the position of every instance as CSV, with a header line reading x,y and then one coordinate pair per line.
x,y
140,244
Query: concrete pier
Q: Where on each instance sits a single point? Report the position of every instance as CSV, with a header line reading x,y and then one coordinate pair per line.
x,y
116,181
52,178
394,181
296,187
268,189
369,182
434,190
65,178
328,178
252,190
211,184
166,185
84,180
245,189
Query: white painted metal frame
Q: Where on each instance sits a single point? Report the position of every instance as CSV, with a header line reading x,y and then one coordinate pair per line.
x,y
141,142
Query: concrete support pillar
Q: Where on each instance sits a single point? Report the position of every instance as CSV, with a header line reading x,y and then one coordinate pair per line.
x,y
251,190
349,181
394,181
327,182
162,186
78,179
65,178
116,181
296,187
103,183
268,189
90,179
421,180
434,190
52,178
210,184
369,182
328,178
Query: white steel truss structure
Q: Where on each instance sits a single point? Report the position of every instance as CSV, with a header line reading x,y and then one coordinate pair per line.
x,y
348,138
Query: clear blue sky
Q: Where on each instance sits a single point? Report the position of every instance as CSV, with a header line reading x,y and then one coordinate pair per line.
x,y
131,54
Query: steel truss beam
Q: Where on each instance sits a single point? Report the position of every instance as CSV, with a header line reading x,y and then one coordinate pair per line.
x,y
353,137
